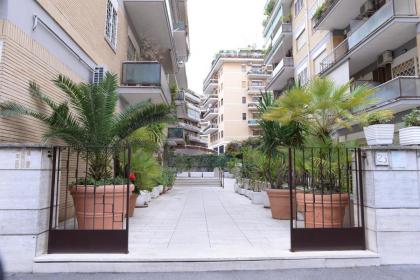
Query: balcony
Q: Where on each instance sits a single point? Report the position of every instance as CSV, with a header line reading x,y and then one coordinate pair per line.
x,y
274,20
391,26
210,100
253,106
197,139
189,127
210,85
181,41
256,89
210,129
143,81
259,74
210,114
253,123
281,74
399,94
338,14
281,43
176,136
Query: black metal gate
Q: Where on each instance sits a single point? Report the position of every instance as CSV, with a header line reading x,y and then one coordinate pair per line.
x,y
89,216
326,199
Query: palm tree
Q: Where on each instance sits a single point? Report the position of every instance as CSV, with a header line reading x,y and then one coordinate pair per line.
x,y
322,107
88,120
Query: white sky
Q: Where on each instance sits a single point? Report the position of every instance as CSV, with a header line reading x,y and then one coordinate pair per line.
x,y
220,24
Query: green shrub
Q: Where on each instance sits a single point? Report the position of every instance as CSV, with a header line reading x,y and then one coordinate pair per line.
x,y
413,118
378,117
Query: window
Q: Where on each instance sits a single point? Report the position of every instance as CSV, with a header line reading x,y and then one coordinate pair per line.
x,y
298,6
221,134
243,84
303,76
243,99
243,68
221,118
318,60
244,116
221,102
111,24
301,40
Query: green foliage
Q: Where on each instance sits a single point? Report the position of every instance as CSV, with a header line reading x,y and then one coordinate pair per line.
x,y
88,120
319,11
378,117
167,177
412,119
269,8
197,162
89,181
146,168
320,107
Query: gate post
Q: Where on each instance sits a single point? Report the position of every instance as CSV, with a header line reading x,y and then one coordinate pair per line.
x,y
391,178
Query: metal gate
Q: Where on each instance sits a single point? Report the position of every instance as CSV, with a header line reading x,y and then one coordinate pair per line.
x,y
89,216
326,199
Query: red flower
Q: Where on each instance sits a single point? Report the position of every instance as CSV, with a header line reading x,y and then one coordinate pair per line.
x,y
132,177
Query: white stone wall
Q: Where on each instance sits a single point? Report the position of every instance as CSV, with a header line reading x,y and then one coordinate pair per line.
x,y
392,204
25,182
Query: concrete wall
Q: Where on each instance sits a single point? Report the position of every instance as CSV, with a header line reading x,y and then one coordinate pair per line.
x,y
392,203
24,200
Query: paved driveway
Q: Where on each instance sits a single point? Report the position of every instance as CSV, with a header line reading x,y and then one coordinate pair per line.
x,y
206,222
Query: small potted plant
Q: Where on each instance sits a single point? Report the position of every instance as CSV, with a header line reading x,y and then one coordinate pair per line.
x,y
410,134
379,130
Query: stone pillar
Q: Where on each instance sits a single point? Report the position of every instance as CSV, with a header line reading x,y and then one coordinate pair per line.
x,y
25,183
392,203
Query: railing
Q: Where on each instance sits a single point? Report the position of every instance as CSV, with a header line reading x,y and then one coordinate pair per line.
x,y
210,81
329,6
211,96
253,122
391,91
275,18
253,105
259,72
145,74
214,126
176,133
210,111
285,62
256,88
363,31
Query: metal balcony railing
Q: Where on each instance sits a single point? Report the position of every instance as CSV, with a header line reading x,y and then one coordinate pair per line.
x,y
176,133
210,111
210,127
210,81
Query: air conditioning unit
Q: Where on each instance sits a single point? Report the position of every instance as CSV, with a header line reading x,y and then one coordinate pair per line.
x,y
367,9
384,58
98,74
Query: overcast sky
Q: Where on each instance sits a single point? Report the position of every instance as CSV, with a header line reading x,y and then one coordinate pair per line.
x,y
220,24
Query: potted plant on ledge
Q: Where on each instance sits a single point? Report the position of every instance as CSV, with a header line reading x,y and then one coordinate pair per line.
x,y
378,129
410,134
87,122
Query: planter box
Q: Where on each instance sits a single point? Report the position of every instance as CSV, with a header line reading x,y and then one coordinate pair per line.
x,y
379,134
257,198
241,191
141,199
236,188
410,136
266,200
155,192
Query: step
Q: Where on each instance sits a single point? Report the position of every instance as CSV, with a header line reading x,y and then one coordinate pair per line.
x,y
92,263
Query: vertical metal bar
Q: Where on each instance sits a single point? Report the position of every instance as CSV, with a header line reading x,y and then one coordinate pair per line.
x,y
361,204
339,180
290,179
86,175
313,187
57,197
77,178
67,186
322,186
357,185
128,185
330,175
53,170
349,173
104,195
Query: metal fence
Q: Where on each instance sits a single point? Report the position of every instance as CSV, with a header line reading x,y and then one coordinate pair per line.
x,y
326,199
89,215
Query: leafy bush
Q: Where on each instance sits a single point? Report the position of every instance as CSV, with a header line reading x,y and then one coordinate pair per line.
x,y
413,118
378,117
269,8
167,177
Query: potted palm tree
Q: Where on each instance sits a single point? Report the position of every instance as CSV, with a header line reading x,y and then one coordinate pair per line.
x,y
410,134
88,122
322,108
274,136
378,129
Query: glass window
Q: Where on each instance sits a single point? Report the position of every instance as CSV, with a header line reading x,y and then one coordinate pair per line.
x,y
318,60
303,77
131,51
243,99
111,24
244,116
301,40
298,6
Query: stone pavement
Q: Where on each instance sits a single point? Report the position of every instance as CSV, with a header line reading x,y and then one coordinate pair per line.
x,y
360,273
206,222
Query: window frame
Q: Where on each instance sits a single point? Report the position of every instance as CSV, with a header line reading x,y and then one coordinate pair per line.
x,y
111,24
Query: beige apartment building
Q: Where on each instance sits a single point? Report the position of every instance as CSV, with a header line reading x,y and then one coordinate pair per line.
x,y
144,42
364,41
232,90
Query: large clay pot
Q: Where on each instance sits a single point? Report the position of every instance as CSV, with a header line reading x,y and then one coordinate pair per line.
x,y
100,207
327,211
280,203
133,200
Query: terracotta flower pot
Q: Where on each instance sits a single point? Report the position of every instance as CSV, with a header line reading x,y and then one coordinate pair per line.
x,y
132,205
101,207
327,211
279,203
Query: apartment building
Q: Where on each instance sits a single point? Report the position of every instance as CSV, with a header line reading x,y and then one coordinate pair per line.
x,y
232,90
185,136
364,41
145,42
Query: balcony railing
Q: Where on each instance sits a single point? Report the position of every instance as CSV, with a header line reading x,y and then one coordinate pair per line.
x,y
392,91
145,74
211,126
210,81
211,96
256,88
363,31
328,6
210,111
175,133
253,122
259,72
285,62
